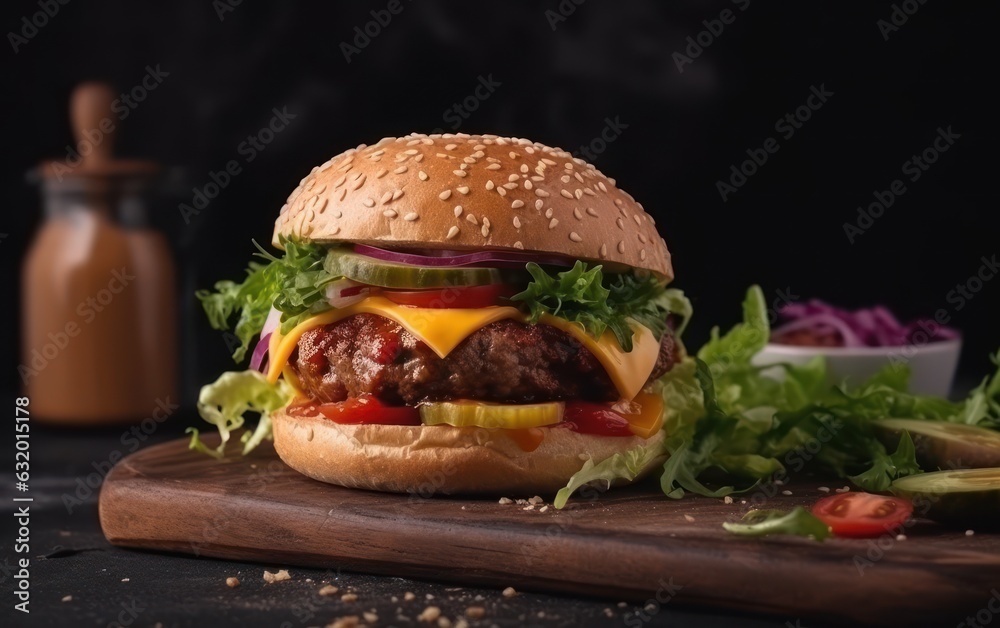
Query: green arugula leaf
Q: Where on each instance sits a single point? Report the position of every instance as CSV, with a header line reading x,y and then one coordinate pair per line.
x,y
798,521
585,296
294,284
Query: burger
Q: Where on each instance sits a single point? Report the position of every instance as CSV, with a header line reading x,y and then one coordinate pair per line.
x,y
454,314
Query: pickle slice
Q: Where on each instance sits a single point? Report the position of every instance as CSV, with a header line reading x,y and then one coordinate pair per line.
x,y
967,497
945,445
376,272
491,415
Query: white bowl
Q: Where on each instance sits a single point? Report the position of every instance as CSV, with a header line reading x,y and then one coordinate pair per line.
x,y
932,365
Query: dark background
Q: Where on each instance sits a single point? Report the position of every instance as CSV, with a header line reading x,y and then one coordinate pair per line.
x,y
783,228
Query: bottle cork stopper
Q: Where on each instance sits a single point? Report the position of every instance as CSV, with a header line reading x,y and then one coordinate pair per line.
x,y
93,123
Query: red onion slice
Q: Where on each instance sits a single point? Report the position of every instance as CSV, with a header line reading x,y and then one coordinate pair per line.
x,y
497,259
257,361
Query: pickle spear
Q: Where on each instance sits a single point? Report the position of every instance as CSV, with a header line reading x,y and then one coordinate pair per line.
x,y
967,497
944,445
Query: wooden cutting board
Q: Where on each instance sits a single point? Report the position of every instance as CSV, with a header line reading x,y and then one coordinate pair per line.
x,y
631,544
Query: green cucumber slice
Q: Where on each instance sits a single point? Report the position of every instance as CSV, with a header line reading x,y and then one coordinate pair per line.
x,y
944,445
375,272
966,497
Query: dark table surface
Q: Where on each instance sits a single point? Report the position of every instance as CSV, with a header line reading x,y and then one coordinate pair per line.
x,y
78,579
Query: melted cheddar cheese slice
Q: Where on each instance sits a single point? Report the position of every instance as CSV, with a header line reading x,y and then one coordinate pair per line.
x,y
444,329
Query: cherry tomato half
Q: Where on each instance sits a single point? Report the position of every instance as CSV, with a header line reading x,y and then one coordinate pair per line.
x,y
862,515
470,297
594,418
369,410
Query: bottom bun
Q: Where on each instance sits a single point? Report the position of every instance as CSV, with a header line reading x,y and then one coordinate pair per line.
x,y
439,459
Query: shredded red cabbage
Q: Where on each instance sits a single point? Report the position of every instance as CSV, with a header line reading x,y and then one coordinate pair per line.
x,y
818,323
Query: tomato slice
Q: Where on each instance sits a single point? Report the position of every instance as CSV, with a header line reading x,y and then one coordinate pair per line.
x,y
594,418
469,297
368,409
862,515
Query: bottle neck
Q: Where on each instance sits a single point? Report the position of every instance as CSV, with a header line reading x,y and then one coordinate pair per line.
x,y
122,202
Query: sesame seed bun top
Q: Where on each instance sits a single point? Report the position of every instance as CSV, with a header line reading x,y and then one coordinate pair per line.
x,y
473,192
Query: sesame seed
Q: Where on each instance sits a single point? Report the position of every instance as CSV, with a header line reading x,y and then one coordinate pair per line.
x,y
578,177
485,231
459,173
399,170
539,203
490,185
340,181
452,233
493,167
518,245
589,192
566,193
513,177
510,186
527,184
620,223
643,256
381,173
518,204
604,250
410,217
389,213
343,193
444,196
548,213
458,210
591,211
471,218
469,160
824,489
368,202
502,191
643,238
451,147
541,192
564,178
621,246
463,189
635,217
385,198
422,175
517,222
553,223
359,181
577,214
575,237
601,185
513,155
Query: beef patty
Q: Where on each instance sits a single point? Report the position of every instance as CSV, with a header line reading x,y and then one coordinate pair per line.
x,y
505,361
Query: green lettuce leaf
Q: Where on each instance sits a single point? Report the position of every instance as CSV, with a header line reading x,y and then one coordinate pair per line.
x,y
799,522
584,295
294,284
224,402
622,466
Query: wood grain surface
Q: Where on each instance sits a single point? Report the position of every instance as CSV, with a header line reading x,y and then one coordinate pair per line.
x,y
631,544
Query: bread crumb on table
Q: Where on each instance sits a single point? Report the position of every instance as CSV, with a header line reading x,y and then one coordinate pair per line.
x,y
429,614
509,592
351,621
688,518
536,500
328,590
727,500
475,612
409,596
349,597
370,617
232,583
271,578
67,598
969,532
506,500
